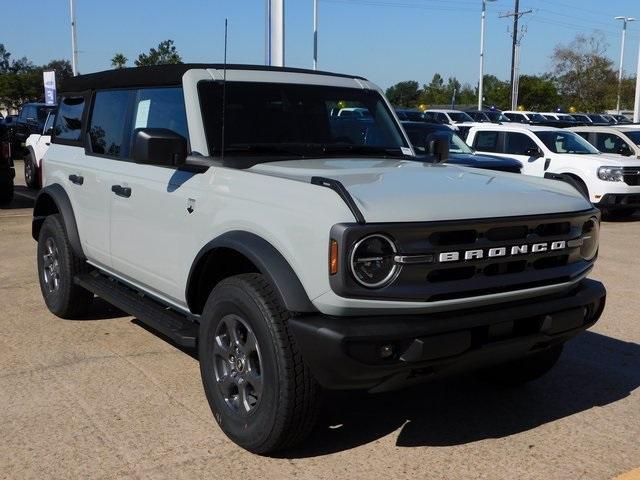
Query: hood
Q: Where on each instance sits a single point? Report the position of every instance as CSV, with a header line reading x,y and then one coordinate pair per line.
x,y
408,191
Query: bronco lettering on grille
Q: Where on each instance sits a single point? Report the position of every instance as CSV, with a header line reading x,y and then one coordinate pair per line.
x,y
497,252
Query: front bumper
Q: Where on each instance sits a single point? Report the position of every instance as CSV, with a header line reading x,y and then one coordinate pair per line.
x,y
344,352
611,201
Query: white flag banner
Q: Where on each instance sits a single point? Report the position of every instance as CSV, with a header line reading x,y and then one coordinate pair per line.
x,y
49,78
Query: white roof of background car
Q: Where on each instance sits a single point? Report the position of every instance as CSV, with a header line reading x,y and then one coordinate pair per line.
x,y
518,127
626,127
595,128
524,112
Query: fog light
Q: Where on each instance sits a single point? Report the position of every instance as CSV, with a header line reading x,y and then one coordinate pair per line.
x,y
386,351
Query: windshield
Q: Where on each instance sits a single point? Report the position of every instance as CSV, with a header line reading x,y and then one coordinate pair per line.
x,y
498,117
536,117
49,123
457,145
460,117
582,118
634,136
566,142
420,135
296,121
598,118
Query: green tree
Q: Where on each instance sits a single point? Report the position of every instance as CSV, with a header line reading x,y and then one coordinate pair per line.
x,y
538,93
119,61
166,53
496,92
404,94
585,76
4,59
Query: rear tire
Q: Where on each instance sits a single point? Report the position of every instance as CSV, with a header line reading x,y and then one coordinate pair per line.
x,y
57,267
261,393
30,172
525,369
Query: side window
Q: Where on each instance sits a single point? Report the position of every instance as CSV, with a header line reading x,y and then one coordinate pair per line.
x,y
442,118
519,144
609,143
68,124
160,108
515,117
486,141
108,125
429,117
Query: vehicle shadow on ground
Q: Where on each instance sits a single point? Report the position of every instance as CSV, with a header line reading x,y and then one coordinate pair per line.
x,y
23,198
633,218
595,370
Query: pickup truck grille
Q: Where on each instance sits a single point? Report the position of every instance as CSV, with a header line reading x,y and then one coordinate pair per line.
x,y
474,258
631,175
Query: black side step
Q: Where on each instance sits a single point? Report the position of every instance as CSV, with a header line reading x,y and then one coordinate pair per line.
x,y
177,327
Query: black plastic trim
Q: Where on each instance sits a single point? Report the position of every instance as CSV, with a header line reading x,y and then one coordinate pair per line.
x,y
342,351
340,189
563,177
59,196
266,258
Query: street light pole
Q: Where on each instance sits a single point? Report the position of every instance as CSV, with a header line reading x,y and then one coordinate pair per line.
x,y
275,33
74,48
636,103
620,71
315,34
481,79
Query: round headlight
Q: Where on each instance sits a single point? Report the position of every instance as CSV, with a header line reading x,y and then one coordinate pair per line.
x,y
590,236
372,261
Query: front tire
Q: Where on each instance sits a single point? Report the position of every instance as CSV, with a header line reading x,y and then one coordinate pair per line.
x,y
261,393
57,266
525,369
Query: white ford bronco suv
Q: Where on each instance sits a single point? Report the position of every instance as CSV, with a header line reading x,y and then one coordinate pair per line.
x,y
231,209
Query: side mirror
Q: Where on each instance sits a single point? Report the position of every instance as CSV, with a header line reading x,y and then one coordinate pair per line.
x,y
438,147
533,152
625,150
159,146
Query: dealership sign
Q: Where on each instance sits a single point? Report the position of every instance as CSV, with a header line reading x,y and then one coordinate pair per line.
x,y
49,78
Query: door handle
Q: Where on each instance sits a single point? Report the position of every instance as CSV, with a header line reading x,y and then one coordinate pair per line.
x,y
121,191
77,179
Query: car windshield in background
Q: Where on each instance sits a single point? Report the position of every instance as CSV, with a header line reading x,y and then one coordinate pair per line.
x,y
497,117
598,119
457,145
536,117
413,116
634,136
566,142
291,120
460,117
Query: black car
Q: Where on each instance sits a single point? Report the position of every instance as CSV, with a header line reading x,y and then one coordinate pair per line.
x,y
7,172
479,116
459,152
30,120
405,114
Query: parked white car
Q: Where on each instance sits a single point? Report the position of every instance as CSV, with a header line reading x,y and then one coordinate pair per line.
x,y
450,117
524,116
558,116
617,140
611,182
37,145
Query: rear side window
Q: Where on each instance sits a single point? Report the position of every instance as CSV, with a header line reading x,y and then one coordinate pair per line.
x,y
160,108
68,125
519,144
108,124
486,141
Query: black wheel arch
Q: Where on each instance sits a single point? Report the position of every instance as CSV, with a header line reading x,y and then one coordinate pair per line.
x,y
573,180
249,253
54,199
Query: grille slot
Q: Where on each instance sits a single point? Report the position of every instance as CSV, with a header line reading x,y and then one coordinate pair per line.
x,y
451,274
518,232
505,268
553,229
551,262
631,176
454,237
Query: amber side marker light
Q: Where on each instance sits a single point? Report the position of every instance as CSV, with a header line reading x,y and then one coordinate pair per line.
x,y
333,257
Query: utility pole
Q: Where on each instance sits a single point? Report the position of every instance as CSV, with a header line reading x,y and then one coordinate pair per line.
x,y
516,14
315,34
74,48
275,33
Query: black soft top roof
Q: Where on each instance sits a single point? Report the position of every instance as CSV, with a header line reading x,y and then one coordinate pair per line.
x,y
159,75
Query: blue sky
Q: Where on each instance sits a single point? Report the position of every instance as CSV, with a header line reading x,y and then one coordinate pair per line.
x,y
384,40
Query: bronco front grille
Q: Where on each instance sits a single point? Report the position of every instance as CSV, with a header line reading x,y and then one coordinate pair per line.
x,y
458,270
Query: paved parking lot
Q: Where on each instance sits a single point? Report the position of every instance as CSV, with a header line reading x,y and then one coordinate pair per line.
x,y
105,398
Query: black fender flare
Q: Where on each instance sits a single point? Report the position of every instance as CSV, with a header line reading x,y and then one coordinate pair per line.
x,y
268,260
566,178
42,208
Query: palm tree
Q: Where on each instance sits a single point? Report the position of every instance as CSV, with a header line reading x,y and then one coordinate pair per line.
x,y
119,60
